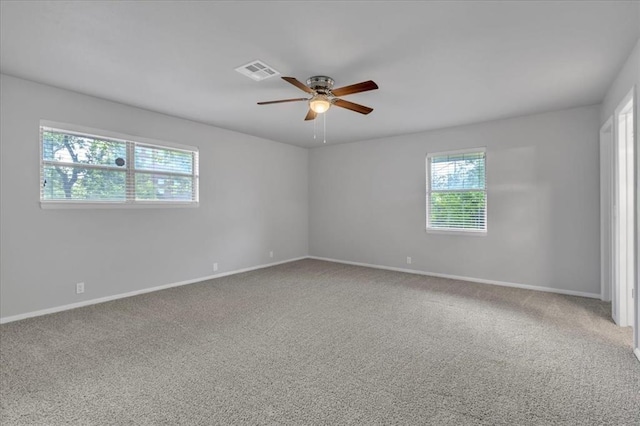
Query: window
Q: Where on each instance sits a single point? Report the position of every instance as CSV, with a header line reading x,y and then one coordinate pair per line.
x,y
456,191
82,168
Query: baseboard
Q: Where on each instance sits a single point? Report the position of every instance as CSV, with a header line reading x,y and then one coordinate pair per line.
x,y
637,352
47,311
471,279
4,320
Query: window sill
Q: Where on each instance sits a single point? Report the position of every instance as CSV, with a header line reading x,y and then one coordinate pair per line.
x,y
115,205
460,232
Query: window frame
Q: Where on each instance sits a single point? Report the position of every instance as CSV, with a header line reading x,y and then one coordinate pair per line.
x,y
455,231
130,171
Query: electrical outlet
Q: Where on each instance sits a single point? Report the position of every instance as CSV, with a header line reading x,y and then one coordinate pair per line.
x,y
271,254
408,260
215,266
79,288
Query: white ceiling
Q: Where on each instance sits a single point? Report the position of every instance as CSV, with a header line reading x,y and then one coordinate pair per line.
x,y
437,64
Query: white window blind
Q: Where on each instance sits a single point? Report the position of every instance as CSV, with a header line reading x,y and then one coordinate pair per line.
x,y
81,168
456,191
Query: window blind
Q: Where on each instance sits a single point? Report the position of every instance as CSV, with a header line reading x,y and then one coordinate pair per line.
x,y
456,191
83,168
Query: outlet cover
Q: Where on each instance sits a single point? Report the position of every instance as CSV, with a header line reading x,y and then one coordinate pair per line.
x,y
270,254
408,260
79,288
215,266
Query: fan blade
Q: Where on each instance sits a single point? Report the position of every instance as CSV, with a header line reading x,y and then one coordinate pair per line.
x,y
281,101
311,115
298,84
355,88
353,107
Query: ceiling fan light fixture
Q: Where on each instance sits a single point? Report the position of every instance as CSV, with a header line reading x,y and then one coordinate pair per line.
x,y
319,104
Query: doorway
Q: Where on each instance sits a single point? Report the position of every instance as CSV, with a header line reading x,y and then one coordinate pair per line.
x,y
623,214
617,212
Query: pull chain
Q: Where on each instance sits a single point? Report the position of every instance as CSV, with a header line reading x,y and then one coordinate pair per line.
x,y
314,129
324,131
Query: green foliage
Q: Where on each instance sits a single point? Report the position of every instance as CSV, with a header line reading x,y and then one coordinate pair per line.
x,y
76,181
464,171
70,175
163,160
163,187
457,210
457,197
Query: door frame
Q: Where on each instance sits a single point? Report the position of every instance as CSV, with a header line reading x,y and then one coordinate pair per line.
x,y
607,277
624,221
636,289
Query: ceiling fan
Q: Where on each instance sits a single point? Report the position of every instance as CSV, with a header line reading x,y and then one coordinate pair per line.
x,y
323,95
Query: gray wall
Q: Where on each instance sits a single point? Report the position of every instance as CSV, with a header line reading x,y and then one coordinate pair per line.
x,y
253,199
624,81
367,202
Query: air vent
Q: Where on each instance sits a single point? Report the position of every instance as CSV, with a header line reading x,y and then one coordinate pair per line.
x,y
257,70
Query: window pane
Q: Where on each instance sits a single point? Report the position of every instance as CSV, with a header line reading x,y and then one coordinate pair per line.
x,y
458,172
70,148
78,166
464,210
163,187
76,183
157,159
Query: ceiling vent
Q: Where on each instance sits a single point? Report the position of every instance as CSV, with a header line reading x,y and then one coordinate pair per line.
x,y
257,70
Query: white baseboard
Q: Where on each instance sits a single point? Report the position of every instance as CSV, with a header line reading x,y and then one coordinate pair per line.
x,y
637,352
55,309
47,311
457,277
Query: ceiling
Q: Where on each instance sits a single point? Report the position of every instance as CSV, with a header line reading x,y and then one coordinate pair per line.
x,y
438,64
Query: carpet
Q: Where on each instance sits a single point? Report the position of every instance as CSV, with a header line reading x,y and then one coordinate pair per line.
x,y
314,342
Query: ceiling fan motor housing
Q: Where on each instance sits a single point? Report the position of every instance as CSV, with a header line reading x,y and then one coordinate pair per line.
x,y
320,83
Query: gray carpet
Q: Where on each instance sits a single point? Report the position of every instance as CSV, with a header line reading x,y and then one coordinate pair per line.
x,y
313,342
